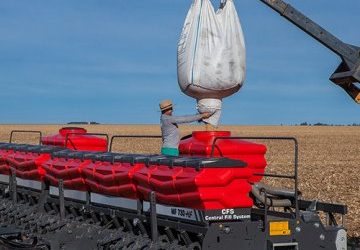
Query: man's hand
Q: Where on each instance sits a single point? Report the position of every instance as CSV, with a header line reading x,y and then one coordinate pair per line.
x,y
206,115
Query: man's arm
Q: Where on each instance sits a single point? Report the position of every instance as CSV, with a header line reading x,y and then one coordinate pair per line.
x,y
185,119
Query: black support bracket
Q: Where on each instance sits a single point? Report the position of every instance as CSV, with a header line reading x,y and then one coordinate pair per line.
x,y
61,199
13,185
153,217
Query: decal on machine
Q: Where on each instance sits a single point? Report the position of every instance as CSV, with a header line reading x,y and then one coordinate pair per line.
x,y
228,214
176,212
279,228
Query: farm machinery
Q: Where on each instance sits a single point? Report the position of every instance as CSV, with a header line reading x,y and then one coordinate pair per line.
x,y
72,192
55,196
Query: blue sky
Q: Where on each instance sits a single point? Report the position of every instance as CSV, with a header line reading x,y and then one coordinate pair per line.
x,y
112,61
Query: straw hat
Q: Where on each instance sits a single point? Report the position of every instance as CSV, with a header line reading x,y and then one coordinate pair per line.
x,y
165,104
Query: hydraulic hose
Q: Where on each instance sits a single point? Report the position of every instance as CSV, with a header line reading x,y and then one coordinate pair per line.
x,y
276,191
271,202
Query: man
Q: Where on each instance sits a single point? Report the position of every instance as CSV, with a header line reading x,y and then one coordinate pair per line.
x,y
169,127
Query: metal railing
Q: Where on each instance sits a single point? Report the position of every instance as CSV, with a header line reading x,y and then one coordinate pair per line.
x,y
271,175
132,136
25,131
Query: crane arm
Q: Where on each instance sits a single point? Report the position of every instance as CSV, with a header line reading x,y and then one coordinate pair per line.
x,y
347,75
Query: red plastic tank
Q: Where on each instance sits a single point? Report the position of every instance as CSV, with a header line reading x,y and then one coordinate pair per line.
x,y
207,187
200,144
195,182
114,179
68,169
77,139
27,160
26,164
4,166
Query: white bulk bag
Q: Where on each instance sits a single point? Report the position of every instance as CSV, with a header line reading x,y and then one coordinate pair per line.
x,y
211,53
211,106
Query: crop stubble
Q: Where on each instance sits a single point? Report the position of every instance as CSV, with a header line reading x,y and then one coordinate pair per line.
x,y
328,156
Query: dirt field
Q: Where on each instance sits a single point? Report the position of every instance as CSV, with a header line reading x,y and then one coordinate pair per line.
x,y
329,157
